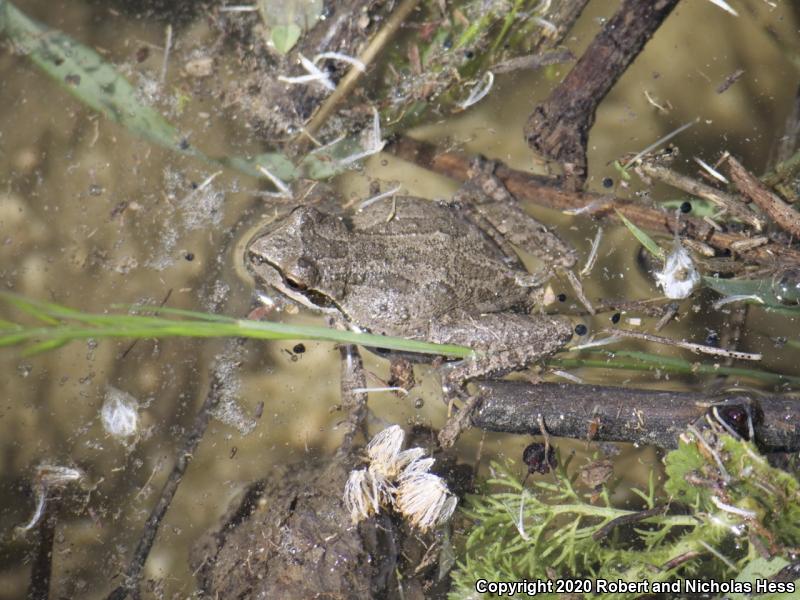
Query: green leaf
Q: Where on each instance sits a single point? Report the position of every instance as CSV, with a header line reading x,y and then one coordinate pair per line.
x,y
85,74
284,37
644,239
762,289
63,329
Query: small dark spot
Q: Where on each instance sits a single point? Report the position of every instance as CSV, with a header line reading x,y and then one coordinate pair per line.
x,y
184,144
562,297
58,61
712,339
299,348
189,256
581,329
419,403
469,54
447,43
608,182
615,318
73,79
686,207
234,450
142,54
194,185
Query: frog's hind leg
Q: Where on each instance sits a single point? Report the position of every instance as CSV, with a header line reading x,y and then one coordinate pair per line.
x,y
495,205
503,342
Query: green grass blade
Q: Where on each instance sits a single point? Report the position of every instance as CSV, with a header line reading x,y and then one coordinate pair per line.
x,y
74,325
181,312
40,347
644,239
641,361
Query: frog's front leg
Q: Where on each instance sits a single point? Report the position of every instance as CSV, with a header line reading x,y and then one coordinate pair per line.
x,y
488,198
503,342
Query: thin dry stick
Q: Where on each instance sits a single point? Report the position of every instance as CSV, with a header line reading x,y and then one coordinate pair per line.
x,y
696,348
578,287
349,81
726,201
783,214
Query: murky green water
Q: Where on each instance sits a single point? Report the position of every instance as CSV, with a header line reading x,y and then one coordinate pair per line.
x,y
91,216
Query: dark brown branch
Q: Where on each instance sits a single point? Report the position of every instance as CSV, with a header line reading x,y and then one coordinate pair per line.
x,y
625,415
544,191
559,127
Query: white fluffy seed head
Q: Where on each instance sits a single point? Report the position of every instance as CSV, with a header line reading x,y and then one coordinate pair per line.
x,y
119,413
679,277
358,497
398,479
384,449
416,467
424,500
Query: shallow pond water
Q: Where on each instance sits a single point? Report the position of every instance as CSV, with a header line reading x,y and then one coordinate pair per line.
x,y
91,215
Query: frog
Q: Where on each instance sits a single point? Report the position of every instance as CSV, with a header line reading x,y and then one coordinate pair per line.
x,y
438,271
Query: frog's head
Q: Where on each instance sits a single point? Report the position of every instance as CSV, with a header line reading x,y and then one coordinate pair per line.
x,y
291,254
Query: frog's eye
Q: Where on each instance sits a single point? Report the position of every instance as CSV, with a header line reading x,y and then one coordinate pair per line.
x,y
301,275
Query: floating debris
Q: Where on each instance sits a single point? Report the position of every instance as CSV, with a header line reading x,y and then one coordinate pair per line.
x,y
374,145
284,191
711,171
314,73
479,91
380,196
46,478
120,414
679,277
724,6
360,66
730,80
592,258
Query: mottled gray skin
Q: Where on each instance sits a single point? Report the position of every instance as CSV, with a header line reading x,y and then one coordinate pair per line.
x,y
427,273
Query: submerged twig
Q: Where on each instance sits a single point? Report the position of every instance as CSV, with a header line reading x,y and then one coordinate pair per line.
x,y
734,206
617,414
348,82
779,211
183,457
546,191
559,127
